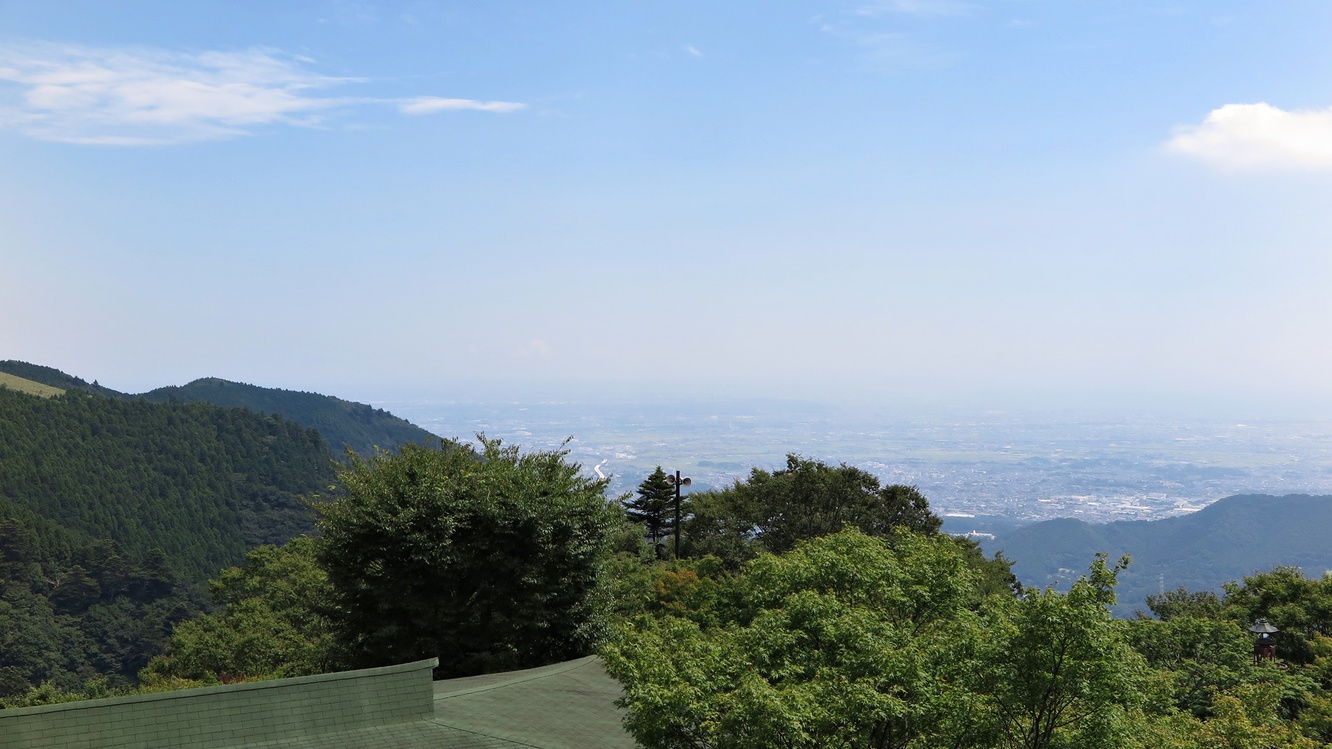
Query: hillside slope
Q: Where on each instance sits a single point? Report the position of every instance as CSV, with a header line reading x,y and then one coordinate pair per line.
x,y
202,483
73,607
14,382
1228,539
343,423
52,377
115,510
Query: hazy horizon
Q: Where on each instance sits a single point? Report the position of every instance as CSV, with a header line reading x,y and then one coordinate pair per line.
x,y
914,399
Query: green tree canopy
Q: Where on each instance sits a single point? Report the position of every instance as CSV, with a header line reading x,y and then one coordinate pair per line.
x,y
1056,672
1181,603
851,640
271,622
809,498
1300,606
833,644
486,560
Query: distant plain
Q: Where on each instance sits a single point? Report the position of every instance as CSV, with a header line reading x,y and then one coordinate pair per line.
x,y
1005,465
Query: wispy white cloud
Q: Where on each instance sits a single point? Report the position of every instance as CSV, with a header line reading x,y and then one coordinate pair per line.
x,y
1259,136
919,8
140,96
428,104
693,51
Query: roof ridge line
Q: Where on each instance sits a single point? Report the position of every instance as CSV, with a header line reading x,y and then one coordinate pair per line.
x,y
560,669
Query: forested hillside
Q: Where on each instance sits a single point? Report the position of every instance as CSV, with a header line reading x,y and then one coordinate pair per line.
x,y
1225,541
113,512
199,482
343,423
75,611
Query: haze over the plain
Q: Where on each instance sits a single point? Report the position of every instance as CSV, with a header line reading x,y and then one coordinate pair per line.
x,y
874,200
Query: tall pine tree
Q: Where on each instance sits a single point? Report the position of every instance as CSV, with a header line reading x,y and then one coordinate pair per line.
x,y
653,507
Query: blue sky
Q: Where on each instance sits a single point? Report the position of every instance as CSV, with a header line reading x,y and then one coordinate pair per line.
x,y
892,201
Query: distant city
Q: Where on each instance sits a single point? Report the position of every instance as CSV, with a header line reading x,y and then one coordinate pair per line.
x,y
980,470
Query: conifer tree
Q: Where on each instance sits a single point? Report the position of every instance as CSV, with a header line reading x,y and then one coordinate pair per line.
x,y
651,507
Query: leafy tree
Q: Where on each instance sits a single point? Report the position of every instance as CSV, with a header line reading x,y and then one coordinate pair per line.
x,y
653,507
1316,719
805,500
720,524
994,575
1056,671
1301,607
1199,658
850,640
1248,718
272,623
1181,602
487,560
74,610
841,642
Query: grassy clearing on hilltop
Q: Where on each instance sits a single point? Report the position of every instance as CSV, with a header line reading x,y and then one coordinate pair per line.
x,y
14,382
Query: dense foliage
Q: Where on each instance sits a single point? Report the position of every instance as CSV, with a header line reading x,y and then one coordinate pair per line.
x,y
112,514
773,511
855,641
272,621
344,424
201,483
487,560
74,610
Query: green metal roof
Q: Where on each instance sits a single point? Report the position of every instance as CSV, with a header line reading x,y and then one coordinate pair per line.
x,y
562,706
567,705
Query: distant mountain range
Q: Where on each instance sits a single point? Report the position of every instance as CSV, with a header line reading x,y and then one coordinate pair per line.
x,y
342,423
1224,541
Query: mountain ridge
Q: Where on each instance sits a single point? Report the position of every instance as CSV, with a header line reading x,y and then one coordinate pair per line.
x,y
342,423
1230,538
52,377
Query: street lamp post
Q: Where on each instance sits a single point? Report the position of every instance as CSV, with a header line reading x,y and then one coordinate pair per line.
x,y
678,482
